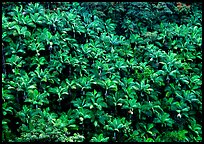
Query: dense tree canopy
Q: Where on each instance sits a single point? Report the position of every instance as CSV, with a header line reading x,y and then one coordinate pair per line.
x,y
101,72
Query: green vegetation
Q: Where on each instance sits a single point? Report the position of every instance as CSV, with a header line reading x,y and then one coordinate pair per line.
x,y
101,72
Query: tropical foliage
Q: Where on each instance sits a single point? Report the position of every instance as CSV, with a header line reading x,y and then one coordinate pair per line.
x,y
101,72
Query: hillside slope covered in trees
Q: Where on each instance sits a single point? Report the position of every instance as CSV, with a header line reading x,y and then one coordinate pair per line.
x,y
101,72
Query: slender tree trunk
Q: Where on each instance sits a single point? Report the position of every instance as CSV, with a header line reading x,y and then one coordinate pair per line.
x,y
3,61
115,137
17,98
70,70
